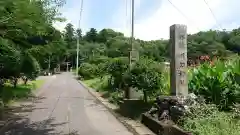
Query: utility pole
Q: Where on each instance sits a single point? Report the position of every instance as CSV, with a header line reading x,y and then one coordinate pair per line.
x,y
49,63
77,57
133,57
79,24
134,52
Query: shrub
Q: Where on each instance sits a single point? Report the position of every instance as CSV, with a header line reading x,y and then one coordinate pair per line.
x,y
88,71
102,69
218,83
117,68
145,76
99,60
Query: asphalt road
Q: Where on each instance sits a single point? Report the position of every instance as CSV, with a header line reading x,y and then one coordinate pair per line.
x,y
65,107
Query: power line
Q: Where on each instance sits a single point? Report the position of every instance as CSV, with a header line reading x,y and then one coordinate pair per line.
x,y
183,14
79,26
215,18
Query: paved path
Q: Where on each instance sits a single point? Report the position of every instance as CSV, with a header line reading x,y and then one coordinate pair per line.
x,y
66,108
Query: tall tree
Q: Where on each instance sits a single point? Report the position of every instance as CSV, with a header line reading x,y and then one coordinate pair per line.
x,y
69,35
92,35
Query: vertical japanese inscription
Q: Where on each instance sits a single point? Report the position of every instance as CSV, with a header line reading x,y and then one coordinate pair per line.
x,y
178,42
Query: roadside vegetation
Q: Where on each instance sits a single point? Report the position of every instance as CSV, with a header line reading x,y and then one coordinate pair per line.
x,y
213,74
11,93
29,45
27,42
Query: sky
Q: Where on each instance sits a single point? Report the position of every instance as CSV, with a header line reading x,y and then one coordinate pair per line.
x,y
152,17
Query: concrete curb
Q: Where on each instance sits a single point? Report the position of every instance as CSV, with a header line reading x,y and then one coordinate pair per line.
x,y
135,127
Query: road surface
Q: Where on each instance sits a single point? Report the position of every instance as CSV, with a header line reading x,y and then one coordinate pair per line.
x,y
66,108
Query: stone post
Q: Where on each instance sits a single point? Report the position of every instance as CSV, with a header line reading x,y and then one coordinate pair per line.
x,y
178,64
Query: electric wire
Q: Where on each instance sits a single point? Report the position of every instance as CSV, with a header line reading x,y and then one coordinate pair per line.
x,y
183,14
215,18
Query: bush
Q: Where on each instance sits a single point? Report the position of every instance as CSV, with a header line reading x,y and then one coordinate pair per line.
x,y
99,60
117,68
88,71
145,76
218,83
102,69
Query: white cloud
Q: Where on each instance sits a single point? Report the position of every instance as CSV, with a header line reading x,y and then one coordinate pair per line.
x,y
156,25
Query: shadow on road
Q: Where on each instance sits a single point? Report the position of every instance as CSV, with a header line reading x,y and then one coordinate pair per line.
x,y
14,121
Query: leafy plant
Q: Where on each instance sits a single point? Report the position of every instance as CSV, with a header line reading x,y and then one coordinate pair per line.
x,y
145,76
87,71
204,119
115,97
117,69
218,83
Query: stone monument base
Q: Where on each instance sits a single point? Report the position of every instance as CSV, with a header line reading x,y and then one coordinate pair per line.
x,y
166,111
133,108
161,128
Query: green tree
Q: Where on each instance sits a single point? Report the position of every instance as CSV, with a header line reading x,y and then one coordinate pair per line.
x,y
69,35
92,35
145,76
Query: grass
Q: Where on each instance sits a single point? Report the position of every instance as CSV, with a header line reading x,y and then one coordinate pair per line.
x,y
207,120
22,91
38,83
99,84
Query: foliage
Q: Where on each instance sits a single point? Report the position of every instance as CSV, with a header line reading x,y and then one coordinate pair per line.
x,y
117,69
91,36
115,97
218,83
145,76
69,35
30,66
205,119
88,71
25,28
10,59
27,40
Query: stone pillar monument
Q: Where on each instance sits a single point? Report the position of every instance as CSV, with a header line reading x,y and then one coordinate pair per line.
x,y
178,64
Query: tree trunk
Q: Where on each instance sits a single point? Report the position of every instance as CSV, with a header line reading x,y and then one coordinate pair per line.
x,y
15,81
145,96
126,92
1,83
25,80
